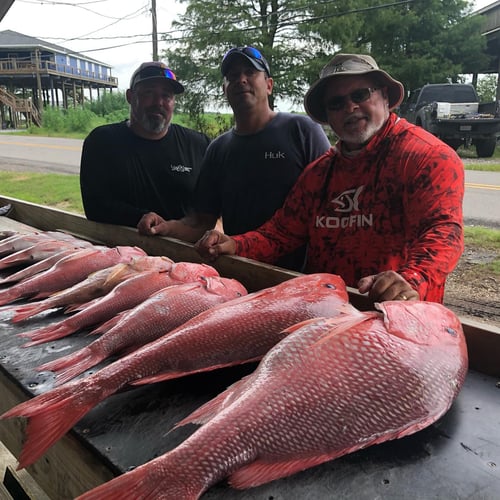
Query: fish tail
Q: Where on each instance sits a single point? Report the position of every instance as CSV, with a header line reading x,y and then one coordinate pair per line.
x,y
145,482
51,332
27,311
50,416
72,365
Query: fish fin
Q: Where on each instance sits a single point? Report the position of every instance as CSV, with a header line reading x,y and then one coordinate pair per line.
x,y
51,332
110,323
260,472
50,416
27,311
207,411
144,483
339,324
133,484
161,377
71,365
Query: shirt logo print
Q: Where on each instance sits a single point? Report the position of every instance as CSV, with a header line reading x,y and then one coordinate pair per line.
x,y
348,201
274,155
347,216
180,168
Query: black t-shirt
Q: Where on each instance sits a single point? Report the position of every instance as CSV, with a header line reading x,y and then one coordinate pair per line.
x,y
246,178
123,176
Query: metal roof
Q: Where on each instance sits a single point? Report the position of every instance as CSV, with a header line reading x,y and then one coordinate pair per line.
x,y
15,40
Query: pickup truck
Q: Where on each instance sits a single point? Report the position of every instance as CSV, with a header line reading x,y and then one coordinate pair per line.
x,y
452,112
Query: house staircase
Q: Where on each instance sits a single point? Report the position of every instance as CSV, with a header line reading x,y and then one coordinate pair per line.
x,y
18,107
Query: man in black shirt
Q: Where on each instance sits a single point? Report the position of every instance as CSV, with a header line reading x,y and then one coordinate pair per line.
x,y
145,164
247,171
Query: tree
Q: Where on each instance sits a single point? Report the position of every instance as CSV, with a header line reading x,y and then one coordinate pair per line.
x,y
487,88
417,41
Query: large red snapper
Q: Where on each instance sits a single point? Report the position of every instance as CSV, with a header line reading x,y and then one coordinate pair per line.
x,y
156,316
232,333
332,387
125,295
95,285
68,271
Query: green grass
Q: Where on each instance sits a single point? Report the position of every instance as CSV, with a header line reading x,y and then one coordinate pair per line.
x,y
54,190
487,164
485,167
487,240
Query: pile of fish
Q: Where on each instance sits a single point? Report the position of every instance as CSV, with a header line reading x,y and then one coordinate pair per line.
x,y
331,379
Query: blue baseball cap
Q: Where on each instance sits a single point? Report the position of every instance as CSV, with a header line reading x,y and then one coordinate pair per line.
x,y
251,54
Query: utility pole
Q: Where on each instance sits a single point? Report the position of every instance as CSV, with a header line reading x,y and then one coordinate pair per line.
x,y
155,31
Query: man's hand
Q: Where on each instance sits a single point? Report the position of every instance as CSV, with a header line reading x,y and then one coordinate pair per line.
x,y
387,285
214,243
151,224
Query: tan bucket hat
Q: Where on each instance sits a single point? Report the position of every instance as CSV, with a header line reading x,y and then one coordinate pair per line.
x,y
343,65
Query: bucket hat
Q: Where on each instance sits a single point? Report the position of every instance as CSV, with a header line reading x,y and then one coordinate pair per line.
x,y
343,65
156,69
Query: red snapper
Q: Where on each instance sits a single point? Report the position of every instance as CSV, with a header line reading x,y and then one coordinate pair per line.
x,y
332,387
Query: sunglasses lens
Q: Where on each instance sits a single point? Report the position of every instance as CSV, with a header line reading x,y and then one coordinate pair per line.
x,y
336,103
360,95
252,52
169,74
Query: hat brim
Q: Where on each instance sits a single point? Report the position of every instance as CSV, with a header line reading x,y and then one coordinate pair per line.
x,y
314,100
177,87
229,60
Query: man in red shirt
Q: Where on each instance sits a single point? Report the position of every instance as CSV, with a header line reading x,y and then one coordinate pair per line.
x,y
382,208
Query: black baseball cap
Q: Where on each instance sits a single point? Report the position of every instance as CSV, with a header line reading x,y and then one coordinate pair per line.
x,y
156,69
251,54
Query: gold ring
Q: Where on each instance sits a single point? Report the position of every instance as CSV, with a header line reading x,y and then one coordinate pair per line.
x,y
403,296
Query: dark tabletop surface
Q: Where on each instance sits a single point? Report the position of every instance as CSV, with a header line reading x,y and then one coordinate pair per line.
x,y
456,458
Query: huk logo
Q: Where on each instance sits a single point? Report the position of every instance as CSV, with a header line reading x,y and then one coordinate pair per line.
x,y
348,200
274,155
180,168
346,203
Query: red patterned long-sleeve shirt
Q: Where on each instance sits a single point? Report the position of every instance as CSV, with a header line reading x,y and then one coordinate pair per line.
x,y
397,205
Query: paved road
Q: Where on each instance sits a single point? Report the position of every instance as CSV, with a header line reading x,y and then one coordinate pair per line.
x,y
57,155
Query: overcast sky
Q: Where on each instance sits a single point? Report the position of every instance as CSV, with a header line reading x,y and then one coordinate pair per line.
x,y
116,32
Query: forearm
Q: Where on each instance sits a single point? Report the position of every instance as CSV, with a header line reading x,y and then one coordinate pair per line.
x,y
432,258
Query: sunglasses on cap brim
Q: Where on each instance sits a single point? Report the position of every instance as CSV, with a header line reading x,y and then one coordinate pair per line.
x,y
250,52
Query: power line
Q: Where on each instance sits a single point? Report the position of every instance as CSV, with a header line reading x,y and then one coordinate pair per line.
x,y
181,37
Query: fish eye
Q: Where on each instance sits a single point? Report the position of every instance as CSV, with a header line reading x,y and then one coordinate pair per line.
x,y
451,331
331,285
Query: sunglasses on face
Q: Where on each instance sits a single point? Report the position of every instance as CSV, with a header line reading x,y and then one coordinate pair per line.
x,y
338,102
